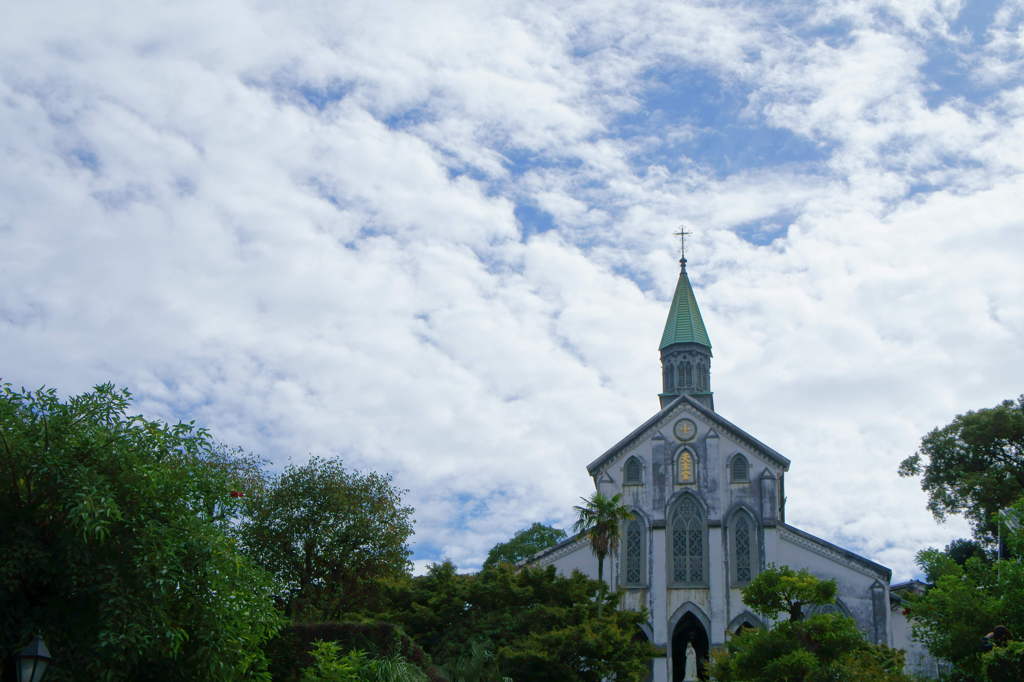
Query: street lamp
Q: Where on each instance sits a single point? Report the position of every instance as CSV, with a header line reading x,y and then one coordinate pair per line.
x,y
31,661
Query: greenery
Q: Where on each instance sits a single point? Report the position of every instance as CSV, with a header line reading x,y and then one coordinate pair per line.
x,y
530,624
114,544
524,544
1004,663
780,589
600,519
974,465
966,602
821,648
330,664
327,535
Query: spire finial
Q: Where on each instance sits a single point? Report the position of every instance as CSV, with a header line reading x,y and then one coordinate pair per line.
x,y
682,243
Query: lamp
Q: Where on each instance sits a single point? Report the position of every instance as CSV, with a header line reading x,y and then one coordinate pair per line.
x,y
31,661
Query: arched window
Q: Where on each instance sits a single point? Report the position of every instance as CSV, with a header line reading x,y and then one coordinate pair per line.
x,y
739,470
742,547
682,375
689,543
633,472
669,375
688,381
633,554
685,467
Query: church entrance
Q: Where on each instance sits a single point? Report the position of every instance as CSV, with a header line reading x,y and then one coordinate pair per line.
x,y
689,631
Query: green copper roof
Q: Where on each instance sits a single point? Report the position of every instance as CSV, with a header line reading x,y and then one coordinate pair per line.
x,y
684,324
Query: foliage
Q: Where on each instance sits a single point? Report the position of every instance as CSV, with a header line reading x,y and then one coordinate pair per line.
x,y
1004,663
331,665
524,544
780,589
327,534
973,465
290,651
536,624
114,546
964,604
600,519
821,648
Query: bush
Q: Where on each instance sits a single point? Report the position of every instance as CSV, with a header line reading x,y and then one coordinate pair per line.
x,y
1004,663
292,650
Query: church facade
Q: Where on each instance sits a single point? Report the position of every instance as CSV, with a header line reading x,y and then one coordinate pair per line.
x,y
709,512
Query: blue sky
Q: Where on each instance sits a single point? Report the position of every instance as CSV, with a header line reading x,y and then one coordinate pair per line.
x,y
436,238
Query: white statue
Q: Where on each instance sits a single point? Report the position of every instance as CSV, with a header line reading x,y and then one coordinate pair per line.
x,y
691,664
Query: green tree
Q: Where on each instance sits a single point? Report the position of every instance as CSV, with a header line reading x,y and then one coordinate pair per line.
x,y
600,519
974,465
822,648
966,602
114,545
780,589
327,534
530,624
525,544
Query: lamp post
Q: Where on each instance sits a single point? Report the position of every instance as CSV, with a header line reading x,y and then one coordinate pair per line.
x,y
31,661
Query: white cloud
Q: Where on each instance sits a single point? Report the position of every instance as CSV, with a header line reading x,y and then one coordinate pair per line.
x,y
297,227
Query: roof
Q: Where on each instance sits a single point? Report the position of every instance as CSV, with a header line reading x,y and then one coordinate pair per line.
x,y
684,323
710,415
852,556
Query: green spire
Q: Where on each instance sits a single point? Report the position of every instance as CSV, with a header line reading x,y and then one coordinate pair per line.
x,y
684,324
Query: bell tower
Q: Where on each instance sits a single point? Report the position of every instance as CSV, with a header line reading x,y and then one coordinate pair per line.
x,y
685,347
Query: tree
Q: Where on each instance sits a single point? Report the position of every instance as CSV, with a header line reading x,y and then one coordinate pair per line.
x,y
524,544
327,535
527,624
965,602
822,648
780,589
114,545
599,518
973,465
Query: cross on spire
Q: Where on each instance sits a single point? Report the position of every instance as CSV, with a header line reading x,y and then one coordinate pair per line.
x,y
682,243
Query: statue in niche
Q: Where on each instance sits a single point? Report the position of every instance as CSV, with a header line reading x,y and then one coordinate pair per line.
x,y
691,664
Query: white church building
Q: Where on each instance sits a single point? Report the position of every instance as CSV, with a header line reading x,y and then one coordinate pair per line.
x,y
709,512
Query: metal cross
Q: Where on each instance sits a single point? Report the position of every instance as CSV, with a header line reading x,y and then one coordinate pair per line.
x,y
682,240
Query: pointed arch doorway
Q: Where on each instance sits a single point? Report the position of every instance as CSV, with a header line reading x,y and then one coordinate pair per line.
x,y
689,629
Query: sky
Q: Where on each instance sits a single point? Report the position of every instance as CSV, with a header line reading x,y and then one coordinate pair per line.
x,y
435,239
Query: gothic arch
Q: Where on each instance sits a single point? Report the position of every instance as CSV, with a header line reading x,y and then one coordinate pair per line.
x,y
634,567
687,541
633,471
739,468
747,617
745,544
688,623
679,467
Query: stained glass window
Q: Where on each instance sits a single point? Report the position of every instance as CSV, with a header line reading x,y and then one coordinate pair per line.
x,y
742,542
634,553
633,472
686,467
688,542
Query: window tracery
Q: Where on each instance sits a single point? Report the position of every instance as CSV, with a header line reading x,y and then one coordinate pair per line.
x,y
688,542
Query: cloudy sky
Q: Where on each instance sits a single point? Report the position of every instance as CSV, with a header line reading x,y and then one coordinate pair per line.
x,y
435,238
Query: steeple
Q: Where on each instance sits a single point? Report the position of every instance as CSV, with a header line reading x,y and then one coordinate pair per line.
x,y
685,346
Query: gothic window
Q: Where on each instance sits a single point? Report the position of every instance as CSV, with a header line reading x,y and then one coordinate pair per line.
x,y
668,375
688,381
633,551
743,543
682,374
685,467
633,472
739,470
689,543
701,377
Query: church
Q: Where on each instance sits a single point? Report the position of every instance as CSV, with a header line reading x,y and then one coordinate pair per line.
x,y
709,512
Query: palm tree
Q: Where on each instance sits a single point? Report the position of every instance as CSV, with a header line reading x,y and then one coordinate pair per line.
x,y
598,518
